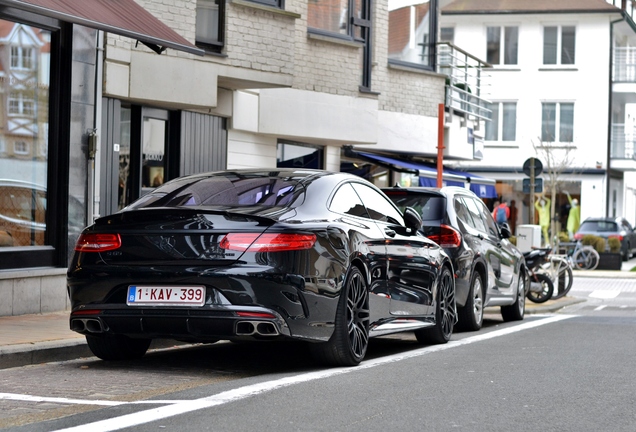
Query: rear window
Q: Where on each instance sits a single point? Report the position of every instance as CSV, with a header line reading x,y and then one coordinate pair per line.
x,y
599,226
224,190
430,207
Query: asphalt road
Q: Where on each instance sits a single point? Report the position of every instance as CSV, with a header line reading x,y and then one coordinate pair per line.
x,y
571,371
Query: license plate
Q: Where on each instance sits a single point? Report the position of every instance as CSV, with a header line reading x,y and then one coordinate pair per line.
x,y
165,296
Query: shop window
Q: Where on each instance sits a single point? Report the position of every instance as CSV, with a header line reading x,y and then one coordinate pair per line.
x,y
26,88
298,155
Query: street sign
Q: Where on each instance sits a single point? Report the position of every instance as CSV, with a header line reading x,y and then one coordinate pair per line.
x,y
527,166
538,185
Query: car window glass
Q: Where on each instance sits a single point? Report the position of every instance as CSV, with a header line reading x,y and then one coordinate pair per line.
x,y
430,207
487,217
346,201
224,190
475,211
379,208
462,212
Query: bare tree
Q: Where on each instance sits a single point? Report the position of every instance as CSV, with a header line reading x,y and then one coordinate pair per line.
x,y
556,158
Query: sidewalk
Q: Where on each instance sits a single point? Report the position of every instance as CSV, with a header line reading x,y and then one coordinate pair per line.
x,y
33,339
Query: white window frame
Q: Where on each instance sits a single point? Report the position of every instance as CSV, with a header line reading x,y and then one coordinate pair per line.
x,y
21,57
19,104
559,45
503,45
500,122
24,151
557,121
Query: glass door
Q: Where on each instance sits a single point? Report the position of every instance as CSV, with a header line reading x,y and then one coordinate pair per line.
x,y
154,139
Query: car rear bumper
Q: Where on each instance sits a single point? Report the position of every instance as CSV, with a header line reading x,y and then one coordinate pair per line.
x,y
182,324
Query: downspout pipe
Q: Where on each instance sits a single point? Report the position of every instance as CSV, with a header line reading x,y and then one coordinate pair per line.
x,y
94,205
609,113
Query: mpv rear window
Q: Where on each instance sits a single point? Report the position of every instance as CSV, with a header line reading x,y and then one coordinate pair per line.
x,y
430,207
599,226
230,190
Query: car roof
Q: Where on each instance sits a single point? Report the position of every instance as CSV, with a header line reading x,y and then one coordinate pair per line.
x,y
444,191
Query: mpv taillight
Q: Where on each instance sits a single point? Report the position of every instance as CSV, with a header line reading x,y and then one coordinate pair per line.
x,y
268,242
91,242
448,237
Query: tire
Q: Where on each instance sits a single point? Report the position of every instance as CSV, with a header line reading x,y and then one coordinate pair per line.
x,y
628,252
586,258
350,339
445,312
116,348
565,279
543,292
471,315
517,310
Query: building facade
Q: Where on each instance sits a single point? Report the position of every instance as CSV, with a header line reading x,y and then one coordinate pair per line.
x,y
194,85
558,94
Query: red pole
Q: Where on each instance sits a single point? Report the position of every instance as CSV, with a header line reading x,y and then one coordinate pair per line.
x,y
440,144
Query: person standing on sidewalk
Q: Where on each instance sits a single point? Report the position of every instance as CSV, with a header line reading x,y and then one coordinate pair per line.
x,y
501,213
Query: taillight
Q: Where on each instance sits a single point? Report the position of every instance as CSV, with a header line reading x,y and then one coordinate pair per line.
x,y
618,236
578,236
448,237
268,242
90,242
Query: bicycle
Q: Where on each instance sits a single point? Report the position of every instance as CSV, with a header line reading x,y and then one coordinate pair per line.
x,y
583,257
559,269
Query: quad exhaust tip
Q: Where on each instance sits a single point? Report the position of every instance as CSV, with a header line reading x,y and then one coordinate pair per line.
x,y
251,328
87,325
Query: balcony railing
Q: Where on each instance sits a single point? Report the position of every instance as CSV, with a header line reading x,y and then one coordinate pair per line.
x,y
624,69
623,140
465,81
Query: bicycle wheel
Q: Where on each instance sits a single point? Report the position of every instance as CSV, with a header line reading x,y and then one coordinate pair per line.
x,y
541,288
563,281
586,258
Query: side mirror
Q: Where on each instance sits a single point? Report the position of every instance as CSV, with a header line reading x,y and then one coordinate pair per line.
x,y
504,229
412,219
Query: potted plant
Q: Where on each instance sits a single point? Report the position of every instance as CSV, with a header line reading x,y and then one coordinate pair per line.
x,y
611,258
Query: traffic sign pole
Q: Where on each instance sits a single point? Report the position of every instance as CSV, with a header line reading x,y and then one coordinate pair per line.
x,y
532,192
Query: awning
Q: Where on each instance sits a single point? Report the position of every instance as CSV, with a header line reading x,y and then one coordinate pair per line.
x,y
122,17
481,186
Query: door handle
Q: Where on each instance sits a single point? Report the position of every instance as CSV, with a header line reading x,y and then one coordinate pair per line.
x,y
389,232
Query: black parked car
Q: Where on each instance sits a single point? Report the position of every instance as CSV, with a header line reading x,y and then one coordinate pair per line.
x,y
260,255
611,227
489,270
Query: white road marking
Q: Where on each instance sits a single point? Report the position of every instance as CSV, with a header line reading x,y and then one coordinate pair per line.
x,y
181,407
602,294
601,307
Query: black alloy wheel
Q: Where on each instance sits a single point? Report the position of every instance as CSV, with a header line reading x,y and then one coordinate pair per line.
x,y
350,340
117,347
471,316
445,312
517,310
